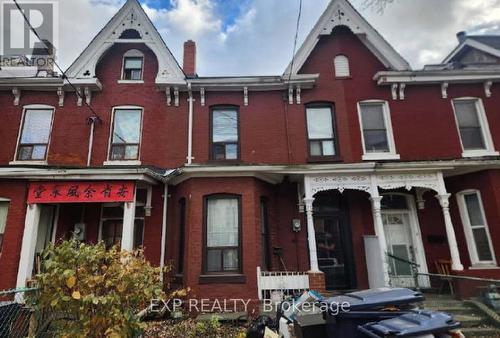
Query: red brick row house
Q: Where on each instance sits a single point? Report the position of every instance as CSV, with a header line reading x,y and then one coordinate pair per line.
x,y
347,156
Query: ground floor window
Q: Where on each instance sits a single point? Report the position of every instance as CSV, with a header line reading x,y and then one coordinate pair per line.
x,y
112,225
4,208
476,228
222,252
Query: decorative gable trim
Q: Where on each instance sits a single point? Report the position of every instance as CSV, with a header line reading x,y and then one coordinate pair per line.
x,y
472,44
130,16
342,13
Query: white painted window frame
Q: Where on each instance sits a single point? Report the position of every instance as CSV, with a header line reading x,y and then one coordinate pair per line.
x,y
391,154
19,134
485,129
471,244
344,58
102,219
132,53
5,200
109,161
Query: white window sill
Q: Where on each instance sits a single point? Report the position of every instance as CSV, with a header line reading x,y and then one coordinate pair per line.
x,y
130,81
28,163
484,267
122,163
479,153
380,157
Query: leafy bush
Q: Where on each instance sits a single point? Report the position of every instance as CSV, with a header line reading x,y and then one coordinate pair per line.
x,y
102,289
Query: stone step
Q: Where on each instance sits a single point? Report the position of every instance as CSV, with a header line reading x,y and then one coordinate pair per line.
x,y
471,320
481,332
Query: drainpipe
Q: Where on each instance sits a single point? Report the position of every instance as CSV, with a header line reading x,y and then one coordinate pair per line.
x,y
91,121
190,127
164,231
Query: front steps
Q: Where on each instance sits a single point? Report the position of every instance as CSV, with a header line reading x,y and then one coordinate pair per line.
x,y
475,324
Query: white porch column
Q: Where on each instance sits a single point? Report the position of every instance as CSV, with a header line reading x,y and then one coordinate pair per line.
x,y
311,235
380,232
128,226
456,264
28,244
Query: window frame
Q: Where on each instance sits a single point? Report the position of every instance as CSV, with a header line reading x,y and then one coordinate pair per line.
x,y
137,161
469,236
20,134
485,129
337,57
265,235
182,205
206,198
211,133
2,239
132,53
391,154
320,158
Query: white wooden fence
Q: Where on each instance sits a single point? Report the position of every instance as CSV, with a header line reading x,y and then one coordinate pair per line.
x,y
278,284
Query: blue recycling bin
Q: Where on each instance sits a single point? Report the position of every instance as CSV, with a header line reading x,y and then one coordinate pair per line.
x,y
411,324
366,307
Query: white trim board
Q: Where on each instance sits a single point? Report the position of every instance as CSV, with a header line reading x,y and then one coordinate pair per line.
x,y
342,13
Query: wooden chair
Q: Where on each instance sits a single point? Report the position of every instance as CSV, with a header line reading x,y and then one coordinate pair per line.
x,y
443,267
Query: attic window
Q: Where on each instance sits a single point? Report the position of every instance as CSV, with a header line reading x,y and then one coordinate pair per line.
x,y
341,63
133,63
130,34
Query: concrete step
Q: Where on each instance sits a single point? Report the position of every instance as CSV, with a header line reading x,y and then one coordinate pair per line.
x,y
481,332
471,320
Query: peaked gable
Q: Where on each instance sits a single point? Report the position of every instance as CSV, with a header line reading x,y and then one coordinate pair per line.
x,y
488,46
130,19
342,13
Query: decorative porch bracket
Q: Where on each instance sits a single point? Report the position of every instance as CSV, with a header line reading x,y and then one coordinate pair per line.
x,y
370,183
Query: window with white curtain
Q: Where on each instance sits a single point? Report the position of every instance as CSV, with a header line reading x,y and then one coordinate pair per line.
x,y
4,208
341,63
222,234
35,134
320,130
376,131
224,133
473,127
476,228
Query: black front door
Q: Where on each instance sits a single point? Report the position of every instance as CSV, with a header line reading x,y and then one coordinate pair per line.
x,y
333,241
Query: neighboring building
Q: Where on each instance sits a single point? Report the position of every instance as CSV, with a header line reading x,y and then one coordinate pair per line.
x,y
346,156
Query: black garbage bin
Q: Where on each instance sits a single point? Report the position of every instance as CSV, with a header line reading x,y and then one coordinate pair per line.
x,y
310,324
366,307
410,325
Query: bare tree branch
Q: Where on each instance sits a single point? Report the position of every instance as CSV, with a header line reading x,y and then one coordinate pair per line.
x,y
377,5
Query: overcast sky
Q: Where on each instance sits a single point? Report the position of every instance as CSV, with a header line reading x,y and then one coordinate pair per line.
x,y
251,37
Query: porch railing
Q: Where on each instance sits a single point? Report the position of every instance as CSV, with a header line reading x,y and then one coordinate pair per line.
x,y
276,285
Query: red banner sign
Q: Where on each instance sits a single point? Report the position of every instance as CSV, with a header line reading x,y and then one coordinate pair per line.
x,y
81,192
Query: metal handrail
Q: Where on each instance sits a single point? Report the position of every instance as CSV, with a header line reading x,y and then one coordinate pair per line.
x,y
403,260
413,266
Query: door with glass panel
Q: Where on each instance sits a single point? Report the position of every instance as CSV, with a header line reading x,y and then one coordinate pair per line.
x,y
399,219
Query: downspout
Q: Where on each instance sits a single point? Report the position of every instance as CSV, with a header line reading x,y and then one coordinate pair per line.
x,y
190,126
164,231
91,121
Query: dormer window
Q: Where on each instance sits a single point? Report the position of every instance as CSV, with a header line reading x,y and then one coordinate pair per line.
x,y
341,64
133,65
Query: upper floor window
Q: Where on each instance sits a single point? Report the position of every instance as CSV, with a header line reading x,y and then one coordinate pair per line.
x,y
126,134
4,208
341,63
376,128
222,234
224,133
473,127
476,228
320,130
35,134
133,62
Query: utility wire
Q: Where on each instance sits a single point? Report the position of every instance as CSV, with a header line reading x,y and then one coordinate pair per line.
x,y
295,39
63,74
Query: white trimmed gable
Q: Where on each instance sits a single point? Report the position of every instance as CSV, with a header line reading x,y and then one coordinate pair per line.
x,y
342,13
474,44
130,16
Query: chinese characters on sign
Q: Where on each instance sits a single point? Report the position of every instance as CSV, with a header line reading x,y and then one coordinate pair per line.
x,y
81,192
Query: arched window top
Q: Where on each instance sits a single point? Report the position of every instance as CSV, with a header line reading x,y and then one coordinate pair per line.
x,y
133,53
341,63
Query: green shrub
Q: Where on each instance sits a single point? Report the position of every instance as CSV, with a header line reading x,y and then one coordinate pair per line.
x,y
102,289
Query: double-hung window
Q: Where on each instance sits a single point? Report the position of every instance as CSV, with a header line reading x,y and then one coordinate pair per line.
x,y
473,127
35,134
224,133
320,130
4,208
476,228
126,134
133,63
222,253
376,131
